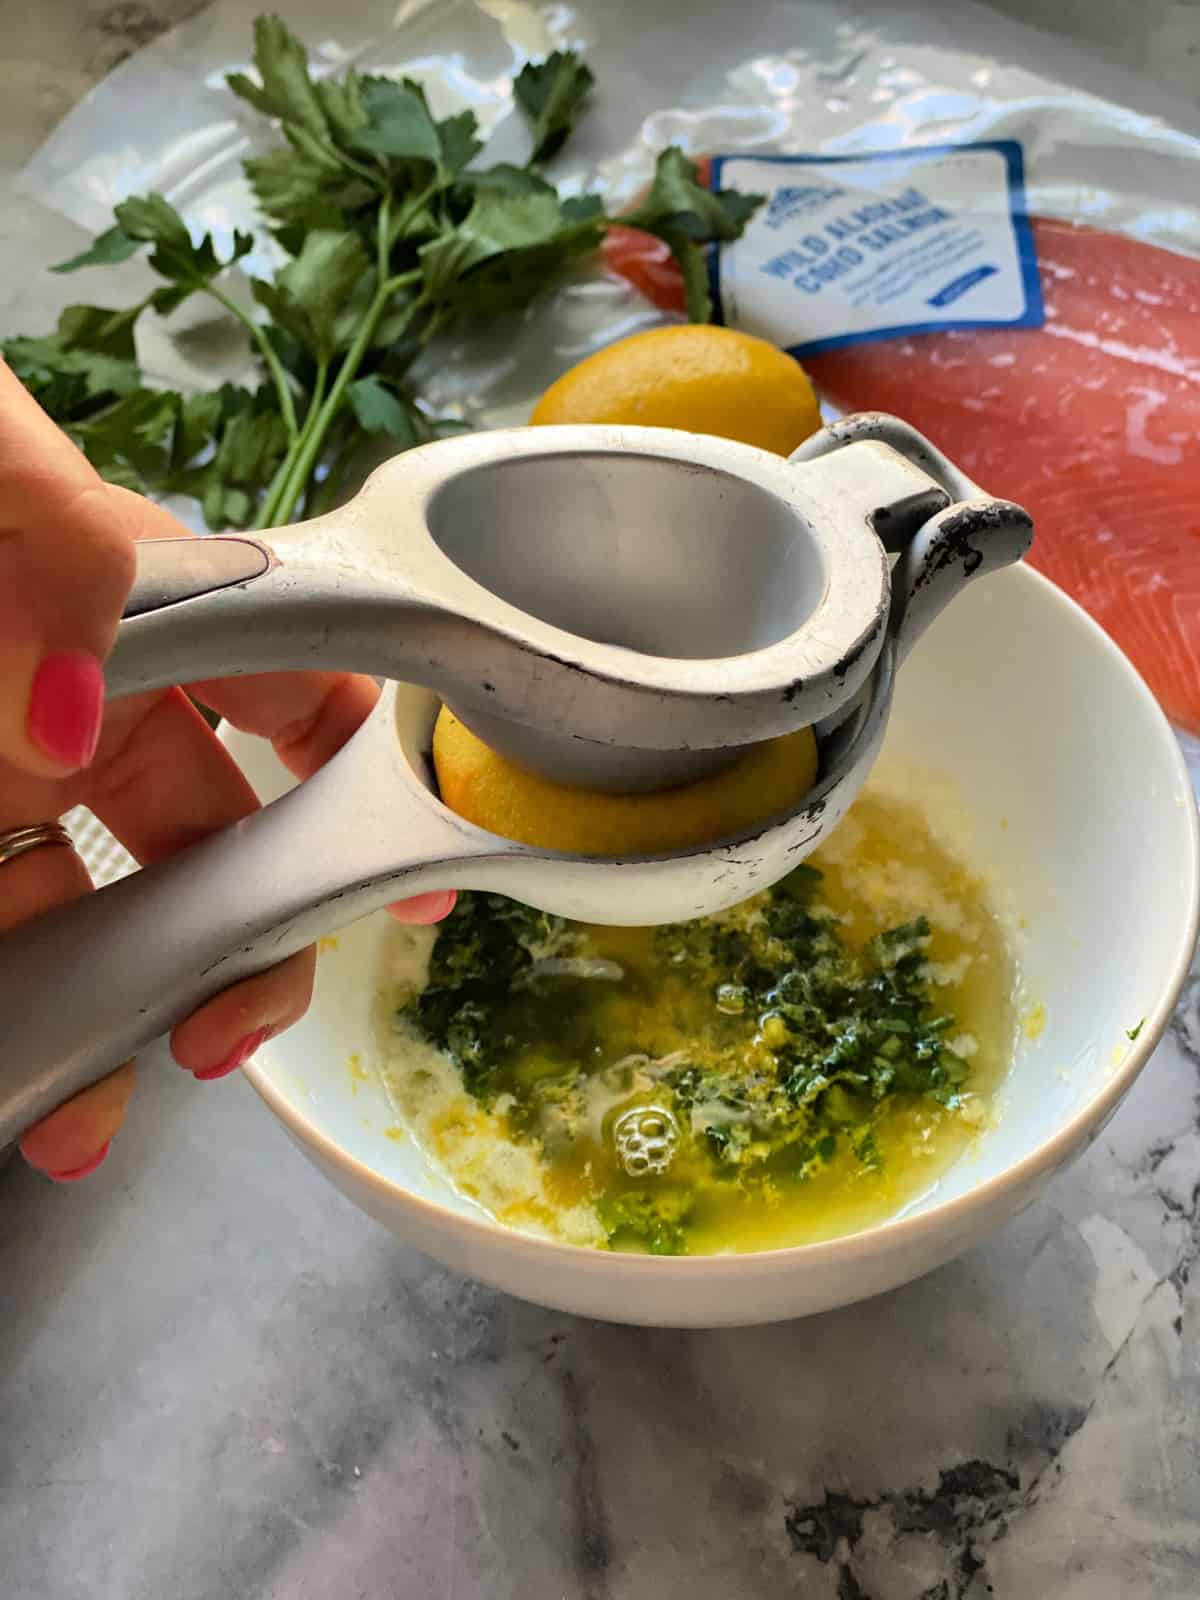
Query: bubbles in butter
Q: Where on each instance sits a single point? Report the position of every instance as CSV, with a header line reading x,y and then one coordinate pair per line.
x,y
646,1139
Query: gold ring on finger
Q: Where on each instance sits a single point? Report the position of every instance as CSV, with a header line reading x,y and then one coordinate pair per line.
x,y
15,841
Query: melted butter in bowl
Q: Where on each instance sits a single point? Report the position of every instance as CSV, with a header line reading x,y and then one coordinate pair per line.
x,y
801,1067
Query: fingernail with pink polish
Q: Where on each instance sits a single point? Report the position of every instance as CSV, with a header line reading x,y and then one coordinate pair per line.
x,y
425,909
237,1057
73,1174
441,912
66,707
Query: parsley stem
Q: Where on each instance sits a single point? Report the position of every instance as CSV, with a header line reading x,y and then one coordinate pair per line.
x,y
268,513
383,245
319,383
305,452
325,496
415,205
402,280
287,409
330,156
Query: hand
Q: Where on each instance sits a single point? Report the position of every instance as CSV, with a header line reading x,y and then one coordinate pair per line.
x,y
149,766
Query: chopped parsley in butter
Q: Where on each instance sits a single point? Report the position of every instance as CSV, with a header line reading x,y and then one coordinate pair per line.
x,y
792,1068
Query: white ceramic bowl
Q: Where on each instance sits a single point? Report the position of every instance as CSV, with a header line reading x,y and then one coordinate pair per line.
x,y
1065,783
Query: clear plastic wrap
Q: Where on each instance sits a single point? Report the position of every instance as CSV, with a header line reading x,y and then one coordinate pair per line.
x,y
764,75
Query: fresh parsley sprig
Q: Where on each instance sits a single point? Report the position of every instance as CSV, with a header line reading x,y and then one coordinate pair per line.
x,y
551,93
390,233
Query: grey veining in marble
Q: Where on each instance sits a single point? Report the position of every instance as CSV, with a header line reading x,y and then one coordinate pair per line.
x,y
220,1382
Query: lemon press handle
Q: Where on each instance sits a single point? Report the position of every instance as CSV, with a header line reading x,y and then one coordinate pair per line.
x,y
85,986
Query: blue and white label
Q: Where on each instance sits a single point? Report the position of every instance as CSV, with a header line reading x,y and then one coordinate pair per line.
x,y
852,248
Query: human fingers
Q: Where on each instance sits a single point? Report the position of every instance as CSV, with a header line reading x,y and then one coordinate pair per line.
x,y
66,565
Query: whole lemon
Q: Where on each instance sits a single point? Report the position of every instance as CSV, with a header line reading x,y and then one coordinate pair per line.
x,y
491,792
696,377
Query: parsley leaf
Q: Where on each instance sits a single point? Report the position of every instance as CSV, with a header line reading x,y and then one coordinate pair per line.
x,y
286,90
296,191
460,143
311,296
97,329
685,215
517,235
654,1219
132,440
379,411
398,124
551,94
252,445
311,181
86,364
678,200
150,219
483,947
106,249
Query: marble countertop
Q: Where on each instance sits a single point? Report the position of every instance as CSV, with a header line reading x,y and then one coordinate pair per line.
x,y
218,1381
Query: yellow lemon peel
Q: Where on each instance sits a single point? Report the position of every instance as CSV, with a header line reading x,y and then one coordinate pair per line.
x,y
696,377
493,793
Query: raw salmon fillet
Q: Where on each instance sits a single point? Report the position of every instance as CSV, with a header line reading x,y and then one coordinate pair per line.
x,y
1091,422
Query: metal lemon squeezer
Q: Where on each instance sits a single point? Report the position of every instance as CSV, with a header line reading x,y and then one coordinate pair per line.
x,y
616,608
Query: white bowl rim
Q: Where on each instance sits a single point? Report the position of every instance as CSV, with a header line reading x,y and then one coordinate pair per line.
x,y
896,1231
